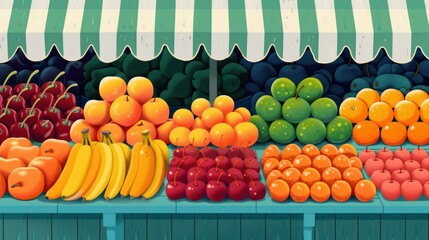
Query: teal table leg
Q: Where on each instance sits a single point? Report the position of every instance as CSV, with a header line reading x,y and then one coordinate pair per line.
x,y
309,223
114,224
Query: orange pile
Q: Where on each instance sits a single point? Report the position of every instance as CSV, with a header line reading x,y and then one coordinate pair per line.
x,y
308,172
400,118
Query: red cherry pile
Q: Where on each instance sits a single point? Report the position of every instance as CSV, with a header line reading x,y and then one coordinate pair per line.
x,y
37,112
232,172
398,173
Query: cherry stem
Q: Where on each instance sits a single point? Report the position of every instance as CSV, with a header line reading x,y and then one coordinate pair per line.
x,y
7,78
19,94
250,164
68,115
34,105
71,86
235,179
196,176
299,90
58,100
18,184
22,124
198,167
46,89
218,178
175,175
4,110
183,150
217,165
56,78
233,165
417,69
31,76
204,156
180,164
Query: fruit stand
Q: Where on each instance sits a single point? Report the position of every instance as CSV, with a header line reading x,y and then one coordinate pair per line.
x,y
214,120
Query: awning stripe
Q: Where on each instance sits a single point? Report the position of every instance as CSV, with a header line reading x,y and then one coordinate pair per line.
x,y
146,26
364,31
5,13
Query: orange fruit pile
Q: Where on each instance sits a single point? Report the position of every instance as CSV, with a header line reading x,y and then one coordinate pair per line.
x,y
317,174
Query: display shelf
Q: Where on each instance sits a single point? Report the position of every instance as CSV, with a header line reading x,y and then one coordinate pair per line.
x,y
207,206
8,204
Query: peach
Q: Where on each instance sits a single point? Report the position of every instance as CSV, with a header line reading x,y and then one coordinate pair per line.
x,y
96,112
117,133
140,89
134,133
156,111
212,116
222,135
180,136
112,87
76,131
184,118
125,111
199,105
163,131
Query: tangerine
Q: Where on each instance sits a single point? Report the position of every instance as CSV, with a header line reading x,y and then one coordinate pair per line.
x,y
291,151
320,192
309,176
341,162
211,116
224,103
111,88
380,113
356,163
366,133
284,164
406,112
352,176
199,105
140,88
291,175
331,175
321,163
369,96
310,150
365,190
329,150
391,96
273,175
222,135
279,190
244,112
348,150
270,165
300,192
301,162
418,133
354,109
233,119
184,118
394,134
341,191
271,151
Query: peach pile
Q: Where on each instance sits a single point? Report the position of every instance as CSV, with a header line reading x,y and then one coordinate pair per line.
x,y
319,174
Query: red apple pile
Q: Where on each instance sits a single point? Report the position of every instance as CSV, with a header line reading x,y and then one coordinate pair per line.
x,y
216,173
398,173
38,113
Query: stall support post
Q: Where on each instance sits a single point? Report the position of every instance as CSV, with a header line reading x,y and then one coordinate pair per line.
x,y
114,224
213,80
309,223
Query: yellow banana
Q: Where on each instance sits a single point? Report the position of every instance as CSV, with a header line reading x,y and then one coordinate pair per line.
x,y
104,172
164,148
91,175
127,152
118,171
146,168
132,170
159,175
55,191
80,169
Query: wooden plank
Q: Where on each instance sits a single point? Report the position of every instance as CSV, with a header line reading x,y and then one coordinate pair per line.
x,y
64,226
158,226
416,226
229,226
206,226
277,226
325,226
86,223
369,226
39,226
182,226
392,227
15,226
296,226
1,225
252,226
135,227
346,226
102,229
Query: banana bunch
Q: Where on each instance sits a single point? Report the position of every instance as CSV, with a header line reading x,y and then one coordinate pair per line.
x,y
91,168
147,168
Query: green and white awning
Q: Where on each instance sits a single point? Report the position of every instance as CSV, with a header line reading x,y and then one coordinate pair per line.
x,y
146,26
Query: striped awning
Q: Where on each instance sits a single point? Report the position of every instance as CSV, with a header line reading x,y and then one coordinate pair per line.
x,y
146,26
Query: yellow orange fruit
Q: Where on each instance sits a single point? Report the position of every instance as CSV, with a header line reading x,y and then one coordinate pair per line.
x,y
321,163
380,113
341,191
199,137
212,116
156,111
310,150
369,96
116,132
299,192
270,165
391,96
417,96
331,175
354,110
366,133
269,152
284,164
244,112
183,117
222,135
352,176
134,133
97,112
140,89
224,103
273,175
394,134
279,190
163,131
199,105
406,112
179,136
125,111
233,118
356,162
418,133
246,134
111,88
320,192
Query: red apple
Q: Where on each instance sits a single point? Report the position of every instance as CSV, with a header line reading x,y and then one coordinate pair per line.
x,y
373,164
366,154
50,168
384,154
393,164
426,189
26,183
411,190
391,190
419,154
378,177
421,175
402,153
425,163
411,165
401,176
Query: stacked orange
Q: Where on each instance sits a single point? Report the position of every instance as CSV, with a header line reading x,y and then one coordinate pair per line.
x,y
319,174
219,125
400,118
